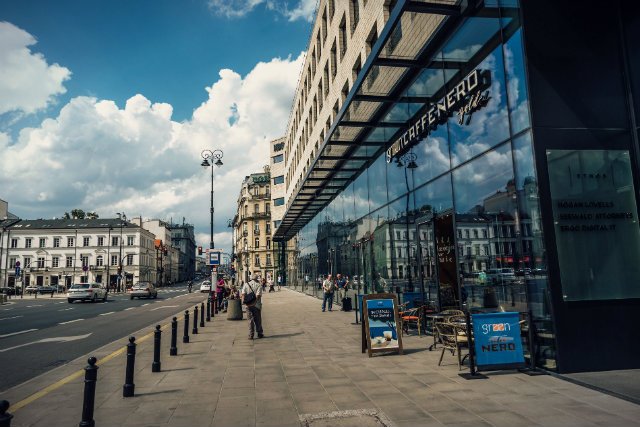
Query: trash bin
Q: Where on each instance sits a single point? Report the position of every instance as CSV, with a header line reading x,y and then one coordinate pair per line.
x,y
234,310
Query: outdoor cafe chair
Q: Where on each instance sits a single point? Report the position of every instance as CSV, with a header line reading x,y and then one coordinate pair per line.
x,y
411,316
453,338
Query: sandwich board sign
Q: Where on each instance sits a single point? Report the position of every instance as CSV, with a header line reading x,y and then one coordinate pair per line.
x,y
381,324
497,341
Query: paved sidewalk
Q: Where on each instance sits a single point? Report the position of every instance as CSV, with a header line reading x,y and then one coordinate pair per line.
x,y
309,367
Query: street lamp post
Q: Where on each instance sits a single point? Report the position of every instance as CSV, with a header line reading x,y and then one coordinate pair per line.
x,y
208,161
122,217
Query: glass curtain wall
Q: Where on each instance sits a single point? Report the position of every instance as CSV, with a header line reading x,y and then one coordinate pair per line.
x,y
460,227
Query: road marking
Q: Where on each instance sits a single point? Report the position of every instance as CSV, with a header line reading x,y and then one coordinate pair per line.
x,y
106,314
37,305
77,374
17,333
54,339
15,317
70,321
145,304
164,306
66,309
130,308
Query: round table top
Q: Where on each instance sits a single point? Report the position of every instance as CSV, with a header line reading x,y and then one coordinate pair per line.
x,y
438,316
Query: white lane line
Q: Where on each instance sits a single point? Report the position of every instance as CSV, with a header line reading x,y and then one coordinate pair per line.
x,y
66,309
7,318
164,306
130,308
17,333
70,321
45,340
145,304
61,302
106,314
37,305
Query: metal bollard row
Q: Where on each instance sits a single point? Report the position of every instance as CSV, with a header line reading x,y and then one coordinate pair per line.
x,y
88,402
202,315
128,390
194,331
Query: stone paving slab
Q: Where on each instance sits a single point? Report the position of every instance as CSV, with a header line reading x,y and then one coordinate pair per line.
x,y
309,371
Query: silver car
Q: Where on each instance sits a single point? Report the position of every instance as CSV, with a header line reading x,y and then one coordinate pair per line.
x,y
144,289
86,292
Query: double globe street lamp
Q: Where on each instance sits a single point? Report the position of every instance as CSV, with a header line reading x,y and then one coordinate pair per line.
x,y
211,158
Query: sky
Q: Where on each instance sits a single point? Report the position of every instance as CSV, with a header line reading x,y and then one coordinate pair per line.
x,y
106,105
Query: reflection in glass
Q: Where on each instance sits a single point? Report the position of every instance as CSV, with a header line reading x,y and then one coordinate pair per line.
x,y
516,83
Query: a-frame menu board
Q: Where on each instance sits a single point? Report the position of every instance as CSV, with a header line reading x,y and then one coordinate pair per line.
x,y
381,324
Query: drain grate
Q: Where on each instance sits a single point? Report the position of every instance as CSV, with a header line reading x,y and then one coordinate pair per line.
x,y
350,418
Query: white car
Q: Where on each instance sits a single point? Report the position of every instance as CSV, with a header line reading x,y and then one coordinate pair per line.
x,y
143,289
86,292
205,287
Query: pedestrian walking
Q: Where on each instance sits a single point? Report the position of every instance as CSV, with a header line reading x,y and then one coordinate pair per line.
x,y
279,282
327,288
341,284
251,296
272,288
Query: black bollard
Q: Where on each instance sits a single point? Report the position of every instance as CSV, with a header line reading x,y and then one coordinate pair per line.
x,y
129,387
90,379
208,310
194,331
185,336
213,302
173,351
157,337
202,315
5,417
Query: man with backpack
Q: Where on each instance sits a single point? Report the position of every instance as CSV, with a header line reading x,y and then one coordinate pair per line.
x,y
251,296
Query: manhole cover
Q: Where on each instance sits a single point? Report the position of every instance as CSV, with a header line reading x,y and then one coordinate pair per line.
x,y
352,418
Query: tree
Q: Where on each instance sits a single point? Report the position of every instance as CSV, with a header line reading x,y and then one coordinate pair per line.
x,y
79,214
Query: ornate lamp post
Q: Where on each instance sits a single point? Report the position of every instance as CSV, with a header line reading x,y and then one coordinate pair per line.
x,y
211,158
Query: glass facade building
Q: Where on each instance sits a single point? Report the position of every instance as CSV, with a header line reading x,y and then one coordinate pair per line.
x,y
449,176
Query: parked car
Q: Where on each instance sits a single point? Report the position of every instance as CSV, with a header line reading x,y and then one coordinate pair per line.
x,y
144,290
46,290
31,289
86,292
9,291
206,286
498,275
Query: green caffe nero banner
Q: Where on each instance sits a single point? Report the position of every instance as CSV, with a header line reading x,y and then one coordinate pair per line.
x,y
497,342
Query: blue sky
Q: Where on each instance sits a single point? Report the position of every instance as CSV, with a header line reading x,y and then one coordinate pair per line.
x,y
112,101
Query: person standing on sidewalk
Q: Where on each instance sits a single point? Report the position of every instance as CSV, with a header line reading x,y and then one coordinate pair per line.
x,y
251,296
327,288
341,283
220,292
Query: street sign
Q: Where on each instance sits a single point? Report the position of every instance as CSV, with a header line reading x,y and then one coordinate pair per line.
x,y
214,257
85,268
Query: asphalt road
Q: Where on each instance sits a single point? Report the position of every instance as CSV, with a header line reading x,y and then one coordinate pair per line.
x,y
24,324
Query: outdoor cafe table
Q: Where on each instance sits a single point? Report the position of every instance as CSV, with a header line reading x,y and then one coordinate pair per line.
x,y
435,317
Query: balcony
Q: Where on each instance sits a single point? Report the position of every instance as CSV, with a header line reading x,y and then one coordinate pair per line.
x,y
256,215
256,232
266,196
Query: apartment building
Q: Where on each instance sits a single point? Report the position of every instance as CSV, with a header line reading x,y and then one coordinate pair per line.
x,y
167,256
183,238
66,251
252,228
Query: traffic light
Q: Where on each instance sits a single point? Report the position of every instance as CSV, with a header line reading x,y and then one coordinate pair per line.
x,y
199,250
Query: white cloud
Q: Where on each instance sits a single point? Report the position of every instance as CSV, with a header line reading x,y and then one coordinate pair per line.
x,y
97,156
27,82
302,9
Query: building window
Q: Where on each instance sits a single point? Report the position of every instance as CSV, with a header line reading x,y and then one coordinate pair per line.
x,y
278,180
130,259
12,262
256,208
27,242
268,228
332,8
130,240
279,158
85,241
100,241
14,243
354,13
55,262
268,243
70,242
99,261
268,259
69,261
276,224
42,242
278,202
342,37
40,262
27,262
56,242
84,259
114,241
256,243
246,210
256,228
114,259
257,260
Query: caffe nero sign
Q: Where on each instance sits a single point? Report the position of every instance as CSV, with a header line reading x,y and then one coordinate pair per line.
x,y
463,99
